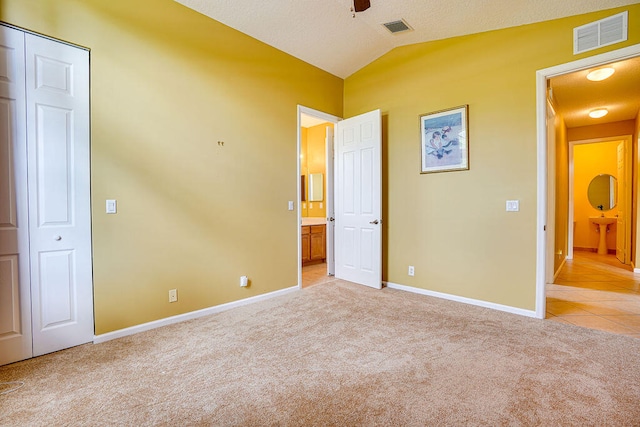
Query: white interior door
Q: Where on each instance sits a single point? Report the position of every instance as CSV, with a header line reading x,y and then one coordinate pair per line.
x,y
620,194
15,298
358,207
57,77
331,265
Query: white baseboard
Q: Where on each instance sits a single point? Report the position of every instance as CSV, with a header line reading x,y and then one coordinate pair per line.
x,y
97,339
480,303
555,276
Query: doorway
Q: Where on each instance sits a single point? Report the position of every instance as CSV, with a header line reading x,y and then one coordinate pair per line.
x,y
354,207
546,224
315,196
587,199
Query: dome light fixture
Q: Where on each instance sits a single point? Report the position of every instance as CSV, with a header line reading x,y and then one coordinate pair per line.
x,y
600,112
600,74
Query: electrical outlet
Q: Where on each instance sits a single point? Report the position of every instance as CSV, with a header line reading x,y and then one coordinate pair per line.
x,y
173,295
411,271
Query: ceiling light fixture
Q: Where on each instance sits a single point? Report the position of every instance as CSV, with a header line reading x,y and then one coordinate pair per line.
x,y
600,112
600,74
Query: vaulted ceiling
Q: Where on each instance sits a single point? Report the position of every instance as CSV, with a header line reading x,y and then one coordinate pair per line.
x,y
327,34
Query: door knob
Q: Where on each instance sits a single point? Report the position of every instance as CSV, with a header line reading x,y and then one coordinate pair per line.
x,y
373,222
331,219
57,238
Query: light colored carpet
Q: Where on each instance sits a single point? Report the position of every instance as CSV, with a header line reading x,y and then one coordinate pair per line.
x,y
338,354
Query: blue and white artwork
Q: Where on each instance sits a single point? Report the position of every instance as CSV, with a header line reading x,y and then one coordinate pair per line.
x,y
444,140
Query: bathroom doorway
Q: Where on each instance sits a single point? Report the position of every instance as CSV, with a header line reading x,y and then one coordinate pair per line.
x,y
592,162
315,196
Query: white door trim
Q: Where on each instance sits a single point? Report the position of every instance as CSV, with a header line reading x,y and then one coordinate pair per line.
x,y
541,115
328,191
330,205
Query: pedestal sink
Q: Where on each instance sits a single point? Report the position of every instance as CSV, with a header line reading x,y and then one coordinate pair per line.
x,y
603,223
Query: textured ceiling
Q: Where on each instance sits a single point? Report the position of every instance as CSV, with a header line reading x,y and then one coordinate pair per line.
x,y
324,33
574,96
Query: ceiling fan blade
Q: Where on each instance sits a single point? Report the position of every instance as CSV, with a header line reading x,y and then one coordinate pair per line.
x,y
361,5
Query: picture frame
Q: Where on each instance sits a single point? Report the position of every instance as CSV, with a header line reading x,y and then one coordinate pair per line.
x,y
444,140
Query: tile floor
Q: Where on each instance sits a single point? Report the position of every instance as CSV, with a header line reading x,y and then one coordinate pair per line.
x,y
597,292
315,274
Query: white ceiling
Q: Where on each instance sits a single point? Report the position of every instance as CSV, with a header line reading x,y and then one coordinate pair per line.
x,y
324,33
307,121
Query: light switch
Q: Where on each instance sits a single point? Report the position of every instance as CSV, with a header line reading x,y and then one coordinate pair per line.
x,y
290,205
111,206
513,205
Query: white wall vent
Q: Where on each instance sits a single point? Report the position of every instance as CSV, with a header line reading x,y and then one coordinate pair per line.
x,y
600,33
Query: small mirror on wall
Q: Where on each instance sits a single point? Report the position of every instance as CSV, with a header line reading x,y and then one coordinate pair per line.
x,y
316,187
602,192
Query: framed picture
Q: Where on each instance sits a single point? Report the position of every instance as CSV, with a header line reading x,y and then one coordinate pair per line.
x,y
444,140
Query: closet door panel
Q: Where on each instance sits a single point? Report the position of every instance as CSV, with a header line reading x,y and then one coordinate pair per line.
x,y
15,298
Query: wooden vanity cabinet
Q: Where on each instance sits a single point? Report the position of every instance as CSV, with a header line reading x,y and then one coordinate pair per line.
x,y
305,242
313,241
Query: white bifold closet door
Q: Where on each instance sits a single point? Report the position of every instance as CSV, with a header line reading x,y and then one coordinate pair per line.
x,y
46,288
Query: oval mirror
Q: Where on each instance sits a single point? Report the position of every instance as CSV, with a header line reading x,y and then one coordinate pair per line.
x,y
602,192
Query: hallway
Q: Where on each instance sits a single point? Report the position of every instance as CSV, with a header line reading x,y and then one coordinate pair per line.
x,y
597,292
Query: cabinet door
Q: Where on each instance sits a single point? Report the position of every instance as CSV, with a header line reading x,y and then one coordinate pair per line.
x,y
318,246
305,245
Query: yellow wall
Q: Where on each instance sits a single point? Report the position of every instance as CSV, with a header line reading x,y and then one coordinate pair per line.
x,y
636,217
626,127
590,160
304,170
562,194
453,226
167,83
313,160
316,163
